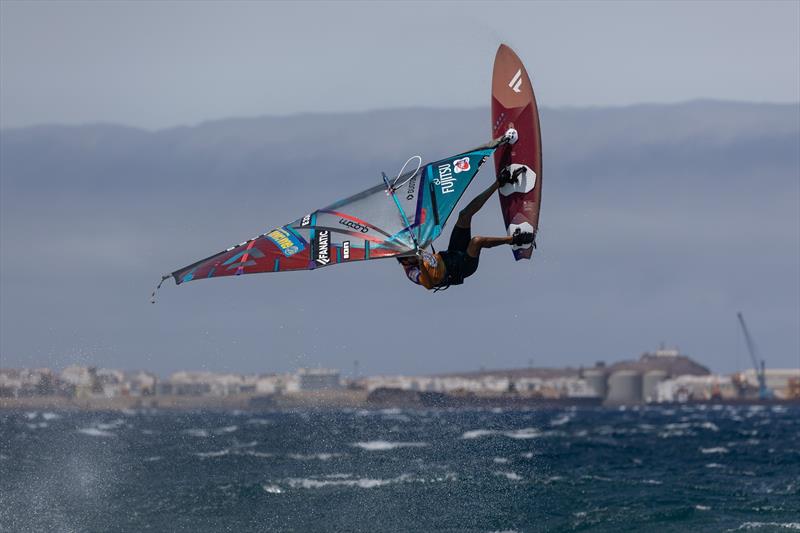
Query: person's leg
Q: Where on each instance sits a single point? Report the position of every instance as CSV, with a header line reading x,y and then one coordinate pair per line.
x,y
466,214
477,243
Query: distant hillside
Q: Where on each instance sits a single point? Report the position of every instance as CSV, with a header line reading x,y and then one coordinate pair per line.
x,y
658,222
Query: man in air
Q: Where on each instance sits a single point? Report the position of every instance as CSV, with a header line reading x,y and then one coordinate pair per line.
x,y
460,260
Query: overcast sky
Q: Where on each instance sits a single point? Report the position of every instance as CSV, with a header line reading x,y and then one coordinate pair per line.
x,y
162,64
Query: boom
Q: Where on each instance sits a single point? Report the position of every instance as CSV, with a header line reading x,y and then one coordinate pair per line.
x,y
758,364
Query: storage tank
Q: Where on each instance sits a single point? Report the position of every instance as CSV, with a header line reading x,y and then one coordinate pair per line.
x,y
597,380
624,387
650,384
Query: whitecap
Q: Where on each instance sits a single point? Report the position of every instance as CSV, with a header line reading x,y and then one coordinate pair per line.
x,y
95,432
561,420
795,526
702,507
218,453
50,416
364,483
254,453
500,460
526,433
226,429
714,465
197,432
716,449
31,415
511,476
314,456
477,433
272,489
382,445
259,421
153,459
652,482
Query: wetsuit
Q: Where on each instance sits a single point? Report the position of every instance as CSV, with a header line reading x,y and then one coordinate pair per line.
x,y
449,267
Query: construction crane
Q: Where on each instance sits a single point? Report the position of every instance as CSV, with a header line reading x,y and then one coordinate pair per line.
x,y
758,364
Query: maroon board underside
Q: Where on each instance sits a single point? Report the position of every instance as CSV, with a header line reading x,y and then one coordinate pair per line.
x,y
514,106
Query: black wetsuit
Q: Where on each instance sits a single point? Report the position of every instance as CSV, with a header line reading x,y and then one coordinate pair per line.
x,y
459,264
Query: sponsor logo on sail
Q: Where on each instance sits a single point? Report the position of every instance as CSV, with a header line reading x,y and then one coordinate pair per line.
x,y
322,240
286,241
445,180
461,165
354,225
412,183
305,221
516,81
346,250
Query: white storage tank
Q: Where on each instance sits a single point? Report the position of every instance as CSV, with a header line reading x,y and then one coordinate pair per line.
x,y
624,387
650,384
597,380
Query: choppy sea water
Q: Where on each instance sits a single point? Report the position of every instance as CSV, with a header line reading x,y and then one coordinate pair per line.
x,y
714,468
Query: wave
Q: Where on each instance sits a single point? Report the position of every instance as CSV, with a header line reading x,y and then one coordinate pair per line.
x,y
363,483
716,449
561,420
96,432
114,424
511,476
794,526
477,433
218,453
382,445
254,453
314,456
520,434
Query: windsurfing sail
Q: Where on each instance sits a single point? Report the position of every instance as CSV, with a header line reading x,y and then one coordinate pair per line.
x,y
377,223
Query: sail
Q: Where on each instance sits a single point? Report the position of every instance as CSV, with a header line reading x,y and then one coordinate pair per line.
x,y
367,225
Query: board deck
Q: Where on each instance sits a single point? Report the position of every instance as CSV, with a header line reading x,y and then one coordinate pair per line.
x,y
514,106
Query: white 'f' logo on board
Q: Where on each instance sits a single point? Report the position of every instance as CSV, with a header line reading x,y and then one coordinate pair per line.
x,y
516,81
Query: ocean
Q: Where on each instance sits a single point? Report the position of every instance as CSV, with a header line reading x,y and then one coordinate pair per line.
x,y
684,468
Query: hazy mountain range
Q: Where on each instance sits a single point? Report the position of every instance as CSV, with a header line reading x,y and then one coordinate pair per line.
x,y
659,222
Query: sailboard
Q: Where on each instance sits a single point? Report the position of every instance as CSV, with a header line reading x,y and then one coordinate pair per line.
x,y
514,106
393,218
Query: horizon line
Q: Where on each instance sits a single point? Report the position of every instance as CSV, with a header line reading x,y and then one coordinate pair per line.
x,y
306,114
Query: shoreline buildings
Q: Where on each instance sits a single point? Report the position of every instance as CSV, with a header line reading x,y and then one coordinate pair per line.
x,y
663,376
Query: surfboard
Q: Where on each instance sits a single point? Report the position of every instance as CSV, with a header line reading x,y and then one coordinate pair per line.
x,y
514,106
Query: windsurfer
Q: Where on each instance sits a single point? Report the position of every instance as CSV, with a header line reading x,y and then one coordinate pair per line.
x,y
460,260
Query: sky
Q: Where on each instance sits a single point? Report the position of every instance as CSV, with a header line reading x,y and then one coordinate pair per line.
x,y
158,65
161,64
